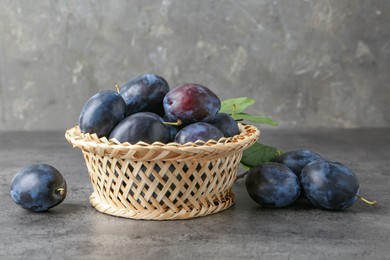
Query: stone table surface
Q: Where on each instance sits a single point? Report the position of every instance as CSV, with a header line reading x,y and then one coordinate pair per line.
x,y
75,230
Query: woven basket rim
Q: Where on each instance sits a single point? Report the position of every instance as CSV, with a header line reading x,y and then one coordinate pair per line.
x,y
91,143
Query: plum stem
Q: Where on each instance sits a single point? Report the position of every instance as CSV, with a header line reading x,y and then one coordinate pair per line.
x,y
177,123
366,201
60,191
117,88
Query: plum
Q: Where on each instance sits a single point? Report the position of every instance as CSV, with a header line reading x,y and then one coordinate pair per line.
x,y
173,130
226,124
38,187
145,93
143,126
272,184
173,127
191,103
296,160
198,131
329,185
101,113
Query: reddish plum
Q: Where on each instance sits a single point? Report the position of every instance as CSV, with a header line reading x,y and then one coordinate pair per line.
x,y
191,103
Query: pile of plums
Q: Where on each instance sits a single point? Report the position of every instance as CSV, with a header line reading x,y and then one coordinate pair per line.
x,y
326,184
146,109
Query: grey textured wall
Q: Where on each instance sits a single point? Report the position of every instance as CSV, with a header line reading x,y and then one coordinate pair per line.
x,y
323,63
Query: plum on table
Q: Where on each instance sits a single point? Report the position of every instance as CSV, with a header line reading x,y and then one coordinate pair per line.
x,y
329,185
38,187
296,160
272,185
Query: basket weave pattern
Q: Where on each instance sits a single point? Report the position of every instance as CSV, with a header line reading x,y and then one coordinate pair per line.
x,y
162,181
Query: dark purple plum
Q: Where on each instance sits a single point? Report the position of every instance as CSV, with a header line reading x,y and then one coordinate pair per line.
x,y
173,130
191,103
296,160
145,93
159,118
38,187
329,185
101,113
226,124
142,126
272,185
198,131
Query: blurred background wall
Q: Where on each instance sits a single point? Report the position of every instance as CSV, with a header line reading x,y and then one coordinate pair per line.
x,y
323,63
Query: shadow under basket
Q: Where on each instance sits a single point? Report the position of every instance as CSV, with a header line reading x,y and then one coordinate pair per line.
x,y
162,181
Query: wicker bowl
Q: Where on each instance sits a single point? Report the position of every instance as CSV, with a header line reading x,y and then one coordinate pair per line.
x,y
162,181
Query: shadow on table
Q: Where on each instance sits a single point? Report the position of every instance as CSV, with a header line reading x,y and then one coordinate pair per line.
x,y
67,208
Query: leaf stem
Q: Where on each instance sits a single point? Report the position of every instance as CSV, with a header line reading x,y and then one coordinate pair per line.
x,y
241,175
366,201
278,152
117,87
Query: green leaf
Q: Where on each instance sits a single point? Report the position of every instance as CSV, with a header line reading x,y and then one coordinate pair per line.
x,y
258,154
236,105
255,119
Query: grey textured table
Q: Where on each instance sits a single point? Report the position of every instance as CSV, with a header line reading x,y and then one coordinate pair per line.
x,y
75,230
